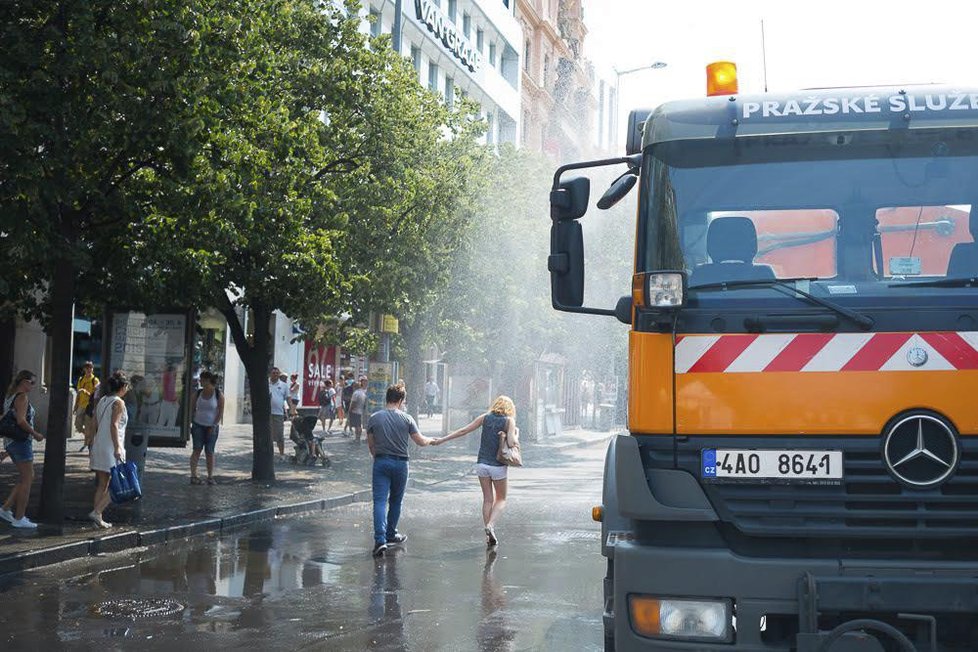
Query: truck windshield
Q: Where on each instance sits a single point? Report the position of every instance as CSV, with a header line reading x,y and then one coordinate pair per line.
x,y
862,214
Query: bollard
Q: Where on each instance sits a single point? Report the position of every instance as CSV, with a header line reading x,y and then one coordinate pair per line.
x,y
136,445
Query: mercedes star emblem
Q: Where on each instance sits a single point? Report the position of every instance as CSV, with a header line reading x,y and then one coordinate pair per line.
x,y
921,451
917,357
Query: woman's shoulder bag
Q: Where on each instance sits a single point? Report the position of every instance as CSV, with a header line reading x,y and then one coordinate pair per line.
x,y
9,427
509,451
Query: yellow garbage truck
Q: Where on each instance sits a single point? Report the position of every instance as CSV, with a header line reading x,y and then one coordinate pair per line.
x,y
800,471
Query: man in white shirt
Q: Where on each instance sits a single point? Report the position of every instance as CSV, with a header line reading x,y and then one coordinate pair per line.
x,y
278,392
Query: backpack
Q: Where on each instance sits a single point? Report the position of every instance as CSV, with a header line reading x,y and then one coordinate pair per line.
x,y
325,399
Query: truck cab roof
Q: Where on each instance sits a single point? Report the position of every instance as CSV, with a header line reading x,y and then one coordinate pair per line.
x,y
811,111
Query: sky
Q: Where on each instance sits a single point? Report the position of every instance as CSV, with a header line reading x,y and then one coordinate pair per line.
x,y
809,44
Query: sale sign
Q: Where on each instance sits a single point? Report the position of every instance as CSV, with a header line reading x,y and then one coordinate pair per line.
x,y
320,364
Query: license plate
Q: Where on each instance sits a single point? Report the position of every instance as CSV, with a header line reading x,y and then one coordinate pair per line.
x,y
785,465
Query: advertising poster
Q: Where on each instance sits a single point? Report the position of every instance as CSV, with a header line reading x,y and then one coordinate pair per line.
x,y
379,376
152,350
320,364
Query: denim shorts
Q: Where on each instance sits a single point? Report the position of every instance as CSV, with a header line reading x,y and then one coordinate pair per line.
x,y
21,451
201,437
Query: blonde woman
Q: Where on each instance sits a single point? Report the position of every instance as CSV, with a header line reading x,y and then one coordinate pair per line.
x,y
501,417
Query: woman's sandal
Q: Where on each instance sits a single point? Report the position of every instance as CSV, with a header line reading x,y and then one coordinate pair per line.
x,y
195,480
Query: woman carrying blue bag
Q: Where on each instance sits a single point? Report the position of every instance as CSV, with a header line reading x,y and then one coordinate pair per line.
x,y
107,448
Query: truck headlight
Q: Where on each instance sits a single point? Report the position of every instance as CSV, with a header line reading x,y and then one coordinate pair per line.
x,y
707,620
659,290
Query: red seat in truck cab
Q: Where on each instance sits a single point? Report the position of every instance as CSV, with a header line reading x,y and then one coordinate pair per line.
x,y
964,256
731,243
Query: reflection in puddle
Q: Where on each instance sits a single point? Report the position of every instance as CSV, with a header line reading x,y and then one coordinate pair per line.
x,y
250,565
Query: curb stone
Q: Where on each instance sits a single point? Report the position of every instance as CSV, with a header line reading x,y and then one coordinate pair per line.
x,y
124,541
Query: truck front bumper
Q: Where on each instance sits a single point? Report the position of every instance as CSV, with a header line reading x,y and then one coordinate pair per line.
x,y
791,592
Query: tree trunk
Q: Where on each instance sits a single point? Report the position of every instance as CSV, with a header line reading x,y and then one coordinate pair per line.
x,y
8,335
62,309
414,375
254,355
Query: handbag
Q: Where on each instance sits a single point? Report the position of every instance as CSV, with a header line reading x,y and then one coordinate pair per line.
x,y
124,483
10,429
509,455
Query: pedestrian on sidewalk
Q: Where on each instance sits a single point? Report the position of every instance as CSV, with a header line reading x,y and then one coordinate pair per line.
x,y
20,452
278,392
208,412
86,385
327,404
295,394
346,396
358,406
107,450
431,395
501,418
388,433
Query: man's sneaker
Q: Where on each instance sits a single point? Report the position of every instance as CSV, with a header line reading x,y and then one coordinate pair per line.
x,y
379,549
491,539
7,515
24,522
397,539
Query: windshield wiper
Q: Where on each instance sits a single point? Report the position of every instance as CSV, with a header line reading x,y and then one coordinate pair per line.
x,y
784,286
938,283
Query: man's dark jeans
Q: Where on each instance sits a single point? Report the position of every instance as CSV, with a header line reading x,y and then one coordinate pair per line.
x,y
390,476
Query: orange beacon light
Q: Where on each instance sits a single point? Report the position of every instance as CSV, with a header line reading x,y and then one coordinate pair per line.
x,y
721,78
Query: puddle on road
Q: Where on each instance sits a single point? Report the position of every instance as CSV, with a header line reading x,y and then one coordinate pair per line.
x,y
257,563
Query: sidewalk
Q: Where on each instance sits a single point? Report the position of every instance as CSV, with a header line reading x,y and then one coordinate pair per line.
x,y
172,508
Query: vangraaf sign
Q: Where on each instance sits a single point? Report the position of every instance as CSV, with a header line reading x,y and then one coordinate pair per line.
x,y
445,30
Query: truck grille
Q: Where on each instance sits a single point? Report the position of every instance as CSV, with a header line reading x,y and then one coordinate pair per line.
x,y
868,503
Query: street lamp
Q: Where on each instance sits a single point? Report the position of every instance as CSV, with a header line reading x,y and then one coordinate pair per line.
x,y
655,65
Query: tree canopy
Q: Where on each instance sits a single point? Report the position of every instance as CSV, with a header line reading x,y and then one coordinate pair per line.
x,y
242,154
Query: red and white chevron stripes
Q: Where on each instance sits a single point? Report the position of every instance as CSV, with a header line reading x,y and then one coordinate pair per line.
x,y
944,351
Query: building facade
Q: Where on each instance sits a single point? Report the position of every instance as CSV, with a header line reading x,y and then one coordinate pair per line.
x,y
461,47
565,105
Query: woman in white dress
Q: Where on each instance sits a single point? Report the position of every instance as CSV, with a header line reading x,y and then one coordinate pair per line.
x,y
107,448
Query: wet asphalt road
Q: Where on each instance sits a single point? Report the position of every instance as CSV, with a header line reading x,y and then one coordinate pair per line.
x,y
310,582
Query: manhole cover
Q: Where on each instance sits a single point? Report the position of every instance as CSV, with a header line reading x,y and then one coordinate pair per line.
x,y
136,609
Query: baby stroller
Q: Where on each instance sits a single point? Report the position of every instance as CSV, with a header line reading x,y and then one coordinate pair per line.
x,y
301,433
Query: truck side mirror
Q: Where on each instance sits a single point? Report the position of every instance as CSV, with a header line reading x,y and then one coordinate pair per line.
x,y
566,264
618,190
636,130
569,200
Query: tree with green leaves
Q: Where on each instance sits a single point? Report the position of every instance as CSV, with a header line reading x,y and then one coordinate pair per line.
x,y
320,166
93,97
